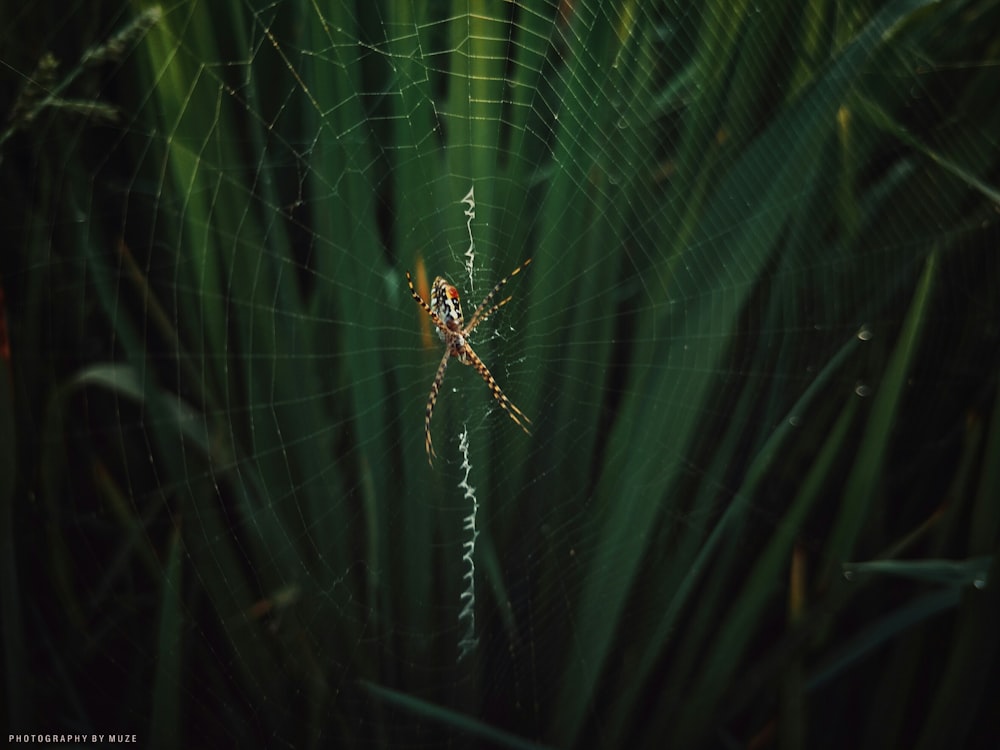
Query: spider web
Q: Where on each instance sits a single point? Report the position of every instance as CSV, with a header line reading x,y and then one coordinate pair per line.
x,y
235,193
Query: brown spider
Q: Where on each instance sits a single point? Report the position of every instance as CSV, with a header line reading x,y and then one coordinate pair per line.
x,y
445,310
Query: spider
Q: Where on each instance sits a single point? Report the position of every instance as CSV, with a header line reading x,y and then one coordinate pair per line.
x,y
445,310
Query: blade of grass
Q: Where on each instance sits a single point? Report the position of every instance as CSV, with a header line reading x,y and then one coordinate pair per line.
x,y
683,575
863,479
457,721
947,572
165,722
16,698
877,633
186,103
971,661
738,621
351,270
882,119
582,218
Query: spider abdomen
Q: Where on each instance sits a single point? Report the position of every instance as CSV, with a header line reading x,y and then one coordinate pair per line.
x,y
447,305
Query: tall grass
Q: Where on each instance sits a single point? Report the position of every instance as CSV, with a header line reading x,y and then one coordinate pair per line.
x,y
757,341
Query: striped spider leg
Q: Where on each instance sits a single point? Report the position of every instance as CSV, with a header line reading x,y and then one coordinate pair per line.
x,y
445,311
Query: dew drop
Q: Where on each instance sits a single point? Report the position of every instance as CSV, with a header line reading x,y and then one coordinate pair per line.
x,y
863,390
864,333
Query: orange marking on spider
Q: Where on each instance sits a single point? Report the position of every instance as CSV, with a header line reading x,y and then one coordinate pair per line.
x,y
445,312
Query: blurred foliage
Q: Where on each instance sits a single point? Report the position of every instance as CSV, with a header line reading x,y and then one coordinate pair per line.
x,y
760,507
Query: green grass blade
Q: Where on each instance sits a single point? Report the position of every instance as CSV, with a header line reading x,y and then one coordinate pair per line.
x,y
463,724
11,615
165,722
947,572
862,482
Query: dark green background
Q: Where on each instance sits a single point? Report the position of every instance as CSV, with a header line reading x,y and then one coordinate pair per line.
x,y
758,343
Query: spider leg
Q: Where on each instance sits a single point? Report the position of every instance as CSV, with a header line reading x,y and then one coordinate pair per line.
x,y
477,316
431,401
427,308
492,310
505,403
